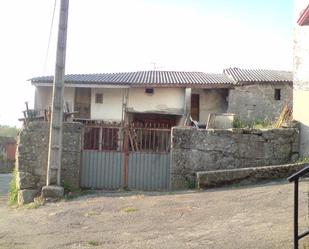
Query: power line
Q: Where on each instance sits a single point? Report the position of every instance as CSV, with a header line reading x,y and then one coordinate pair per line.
x,y
50,35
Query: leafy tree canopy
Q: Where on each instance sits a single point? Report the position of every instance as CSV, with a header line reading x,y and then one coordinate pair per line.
x,y
8,131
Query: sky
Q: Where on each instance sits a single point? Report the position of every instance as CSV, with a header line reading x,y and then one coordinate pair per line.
x,y
133,35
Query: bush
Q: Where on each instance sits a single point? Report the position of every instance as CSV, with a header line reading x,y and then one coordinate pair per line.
x,y
255,124
13,191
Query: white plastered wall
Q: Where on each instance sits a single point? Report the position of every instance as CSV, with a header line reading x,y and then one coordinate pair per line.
x,y
165,100
43,97
111,108
211,101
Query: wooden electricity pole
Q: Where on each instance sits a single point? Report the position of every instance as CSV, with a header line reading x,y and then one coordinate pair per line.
x,y
55,132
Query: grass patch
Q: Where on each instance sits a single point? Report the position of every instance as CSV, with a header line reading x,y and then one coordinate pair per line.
x,y
129,209
38,201
32,205
73,192
302,160
13,191
91,213
93,243
255,124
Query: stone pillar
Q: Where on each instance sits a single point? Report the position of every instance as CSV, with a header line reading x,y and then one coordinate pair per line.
x,y
31,159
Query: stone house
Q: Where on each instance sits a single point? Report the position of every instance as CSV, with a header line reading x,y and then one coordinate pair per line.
x,y
170,98
301,73
259,94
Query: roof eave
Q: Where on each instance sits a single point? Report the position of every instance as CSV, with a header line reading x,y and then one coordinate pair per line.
x,y
303,20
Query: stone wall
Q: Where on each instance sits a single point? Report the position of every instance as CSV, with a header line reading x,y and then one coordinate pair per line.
x,y
257,102
195,150
32,153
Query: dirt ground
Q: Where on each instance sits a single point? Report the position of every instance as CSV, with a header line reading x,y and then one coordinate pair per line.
x,y
254,217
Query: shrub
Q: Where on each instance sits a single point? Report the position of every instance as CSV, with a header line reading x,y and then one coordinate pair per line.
x,y
255,124
13,191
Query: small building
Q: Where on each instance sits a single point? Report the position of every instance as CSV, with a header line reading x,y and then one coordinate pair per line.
x,y
259,94
8,148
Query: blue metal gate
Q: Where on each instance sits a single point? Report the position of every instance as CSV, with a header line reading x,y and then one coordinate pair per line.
x,y
135,158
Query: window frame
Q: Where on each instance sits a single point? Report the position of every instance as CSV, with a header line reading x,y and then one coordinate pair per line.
x,y
277,94
98,99
151,89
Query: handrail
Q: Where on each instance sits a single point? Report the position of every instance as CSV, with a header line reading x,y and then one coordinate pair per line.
x,y
295,178
299,174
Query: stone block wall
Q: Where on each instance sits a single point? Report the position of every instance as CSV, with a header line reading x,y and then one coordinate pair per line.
x,y
195,150
257,102
32,154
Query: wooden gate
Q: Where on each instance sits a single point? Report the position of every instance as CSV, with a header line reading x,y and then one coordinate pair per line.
x,y
136,157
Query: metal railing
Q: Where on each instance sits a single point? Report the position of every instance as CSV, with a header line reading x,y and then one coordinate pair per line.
x,y
295,178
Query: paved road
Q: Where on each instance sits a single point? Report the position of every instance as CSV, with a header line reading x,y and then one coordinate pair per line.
x,y
4,187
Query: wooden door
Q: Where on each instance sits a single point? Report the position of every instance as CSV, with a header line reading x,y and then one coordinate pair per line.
x,y
82,102
195,107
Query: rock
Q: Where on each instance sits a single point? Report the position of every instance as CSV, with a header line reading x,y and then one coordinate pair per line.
x,y
52,191
26,196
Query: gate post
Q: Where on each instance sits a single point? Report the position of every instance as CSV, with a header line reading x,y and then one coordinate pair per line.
x,y
126,155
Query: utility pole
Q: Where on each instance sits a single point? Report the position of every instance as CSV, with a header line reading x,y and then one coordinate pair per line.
x,y
55,131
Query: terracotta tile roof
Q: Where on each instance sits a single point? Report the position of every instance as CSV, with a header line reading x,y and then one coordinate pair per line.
x,y
258,75
142,78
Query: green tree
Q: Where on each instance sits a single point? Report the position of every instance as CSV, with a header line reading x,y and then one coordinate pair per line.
x,y
8,131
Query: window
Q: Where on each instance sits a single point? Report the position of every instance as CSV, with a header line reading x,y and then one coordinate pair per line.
x,y
99,98
149,90
277,94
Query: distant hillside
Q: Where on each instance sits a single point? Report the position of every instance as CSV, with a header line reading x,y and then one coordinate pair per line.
x,y
8,131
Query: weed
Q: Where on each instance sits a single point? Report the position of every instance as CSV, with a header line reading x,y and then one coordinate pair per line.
x,y
91,213
191,183
68,188
129,209
93,243
255,124
13,191
32,205
302,160
238,123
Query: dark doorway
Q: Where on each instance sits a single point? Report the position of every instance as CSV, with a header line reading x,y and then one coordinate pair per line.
x,y
82,103
195,107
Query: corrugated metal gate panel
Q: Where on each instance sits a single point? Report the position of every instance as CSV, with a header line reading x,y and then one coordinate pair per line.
x,y
149,171
102,169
